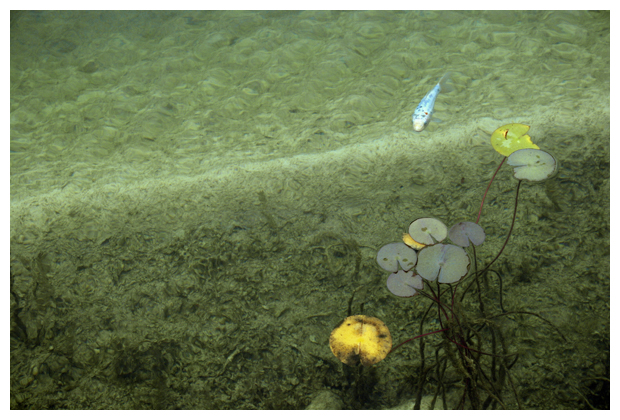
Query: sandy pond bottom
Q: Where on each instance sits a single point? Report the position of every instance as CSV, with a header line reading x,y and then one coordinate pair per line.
x,y
220,290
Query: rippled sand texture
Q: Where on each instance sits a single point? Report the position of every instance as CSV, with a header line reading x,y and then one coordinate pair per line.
x,y
182,93
195,196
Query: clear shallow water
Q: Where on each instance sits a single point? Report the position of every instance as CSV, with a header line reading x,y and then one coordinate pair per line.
x,y
183,93
242,153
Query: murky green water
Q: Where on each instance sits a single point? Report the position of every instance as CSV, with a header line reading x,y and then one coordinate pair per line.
x,y
196,196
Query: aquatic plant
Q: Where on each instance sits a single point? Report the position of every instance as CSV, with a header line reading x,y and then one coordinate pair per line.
x,y
473,342
533,167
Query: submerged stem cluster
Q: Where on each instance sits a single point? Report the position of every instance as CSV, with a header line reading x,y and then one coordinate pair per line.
x,y
473,348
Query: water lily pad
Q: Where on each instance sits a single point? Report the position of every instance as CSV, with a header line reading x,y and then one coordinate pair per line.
x,y
404,283
532,165
427,230
446,263
360,339
465,232
511,137
392,255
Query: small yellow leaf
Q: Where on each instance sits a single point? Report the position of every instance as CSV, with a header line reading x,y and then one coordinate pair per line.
x,y
511,137
411,243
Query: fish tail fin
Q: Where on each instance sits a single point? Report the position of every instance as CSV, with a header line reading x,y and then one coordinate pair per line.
x,y
445,83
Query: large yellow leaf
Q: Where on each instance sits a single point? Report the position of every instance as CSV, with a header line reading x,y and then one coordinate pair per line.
x,y
360,339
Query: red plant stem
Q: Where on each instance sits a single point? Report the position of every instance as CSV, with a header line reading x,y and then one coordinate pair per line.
x,y
436,299
418,336
487,190
512,225
470,349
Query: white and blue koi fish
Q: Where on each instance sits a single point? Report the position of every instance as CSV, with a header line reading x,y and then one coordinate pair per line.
x,y
424,111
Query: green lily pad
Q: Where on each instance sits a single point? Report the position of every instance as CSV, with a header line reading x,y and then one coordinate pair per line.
x,y
532,165
404,283
465,232
392,255
428,231
444,263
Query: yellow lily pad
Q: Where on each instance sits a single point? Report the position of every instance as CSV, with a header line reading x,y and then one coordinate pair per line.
x,y
360,339
511,137
411,243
